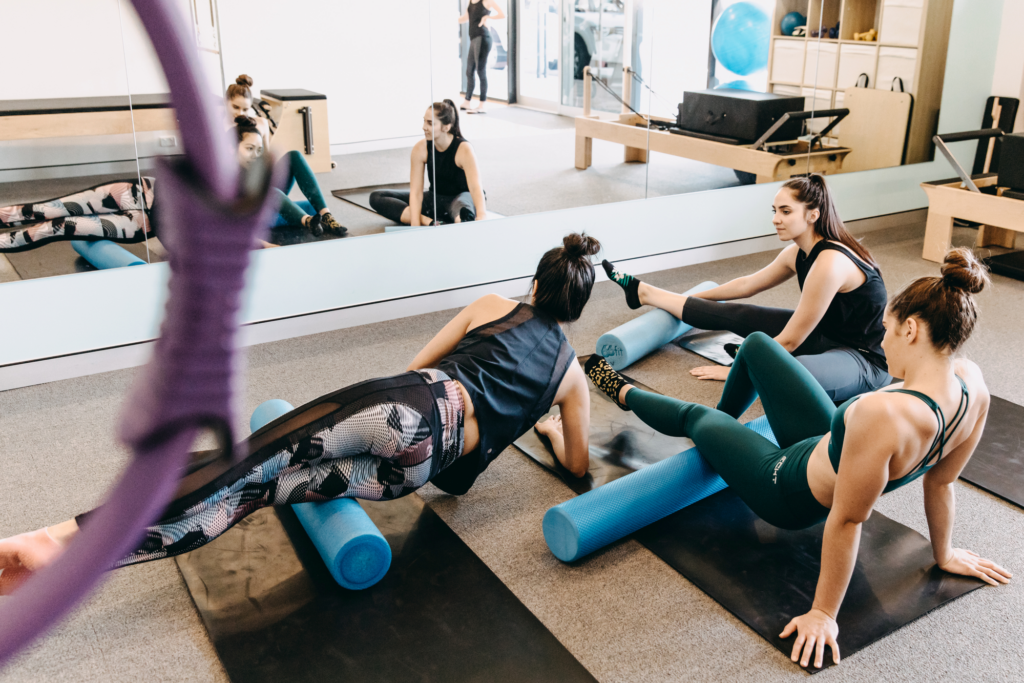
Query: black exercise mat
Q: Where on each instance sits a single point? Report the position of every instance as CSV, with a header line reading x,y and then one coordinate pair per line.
x,y
619,443
286,235
360,196
763,575
998,462
710,344
275,614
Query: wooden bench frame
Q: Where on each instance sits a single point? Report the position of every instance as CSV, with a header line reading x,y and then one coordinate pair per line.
x,y
1001,217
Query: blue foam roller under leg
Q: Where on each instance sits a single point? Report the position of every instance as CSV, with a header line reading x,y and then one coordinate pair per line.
x,y
354,550
105,254
580,526
630,342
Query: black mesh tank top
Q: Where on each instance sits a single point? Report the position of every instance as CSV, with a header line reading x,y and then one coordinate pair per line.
x,y
511,369
853,319
449,180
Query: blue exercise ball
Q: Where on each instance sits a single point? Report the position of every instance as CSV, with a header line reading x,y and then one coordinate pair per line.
x,y
790,22
739,38
734,85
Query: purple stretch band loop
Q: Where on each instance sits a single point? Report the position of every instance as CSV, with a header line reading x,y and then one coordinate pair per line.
x,y
189,382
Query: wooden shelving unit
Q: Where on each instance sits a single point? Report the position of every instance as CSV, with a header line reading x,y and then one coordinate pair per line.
x,y
912,42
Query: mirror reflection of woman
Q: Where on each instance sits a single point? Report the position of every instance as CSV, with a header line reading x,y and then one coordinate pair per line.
x,y
451,166
478,16
250,148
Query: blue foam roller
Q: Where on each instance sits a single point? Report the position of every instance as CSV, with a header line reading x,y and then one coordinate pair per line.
x,y
303,204
354,550
105,254
628,343
580,526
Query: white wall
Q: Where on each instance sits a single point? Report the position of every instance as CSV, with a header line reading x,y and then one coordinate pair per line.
x,y
373,60
1008,80
678,58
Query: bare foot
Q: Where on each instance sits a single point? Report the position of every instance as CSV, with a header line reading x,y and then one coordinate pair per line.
x,y
715,372
466,104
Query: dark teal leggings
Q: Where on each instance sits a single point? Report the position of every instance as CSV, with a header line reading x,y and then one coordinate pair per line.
x,y
770,479
300,172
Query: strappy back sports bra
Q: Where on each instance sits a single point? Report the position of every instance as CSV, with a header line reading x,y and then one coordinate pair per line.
x,y
934,454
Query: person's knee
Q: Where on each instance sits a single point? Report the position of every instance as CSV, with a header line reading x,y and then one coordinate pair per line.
x,y
375,200
756,344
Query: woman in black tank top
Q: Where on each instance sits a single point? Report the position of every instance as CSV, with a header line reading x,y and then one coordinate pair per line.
x,y
477,17
835,331
455,194
481,382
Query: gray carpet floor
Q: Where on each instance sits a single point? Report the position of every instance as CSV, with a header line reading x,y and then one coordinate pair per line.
x,y
623,613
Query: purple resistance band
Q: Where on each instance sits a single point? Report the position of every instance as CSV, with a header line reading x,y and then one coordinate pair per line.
x,y
209,219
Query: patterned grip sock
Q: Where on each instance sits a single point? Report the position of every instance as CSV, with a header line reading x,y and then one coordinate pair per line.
x,y
330,223
630,284
605,378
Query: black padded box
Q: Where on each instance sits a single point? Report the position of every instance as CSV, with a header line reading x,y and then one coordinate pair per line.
x,y
739,114
1011,161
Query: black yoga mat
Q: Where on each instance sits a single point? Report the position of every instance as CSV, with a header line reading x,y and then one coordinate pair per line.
x,y
764,575
710,344
998,462
275,614
360,196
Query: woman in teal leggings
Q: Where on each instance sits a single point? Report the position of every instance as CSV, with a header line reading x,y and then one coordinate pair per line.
x,y
834,463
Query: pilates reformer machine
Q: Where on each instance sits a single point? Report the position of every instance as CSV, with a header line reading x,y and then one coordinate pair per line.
x,y
765,159
993,199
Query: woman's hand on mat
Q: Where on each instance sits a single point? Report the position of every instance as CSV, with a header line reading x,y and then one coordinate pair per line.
x,y
970,564
552,425
814,631
715,372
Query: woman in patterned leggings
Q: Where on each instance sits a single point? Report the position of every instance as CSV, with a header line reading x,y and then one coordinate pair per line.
x,y
486,378
120,212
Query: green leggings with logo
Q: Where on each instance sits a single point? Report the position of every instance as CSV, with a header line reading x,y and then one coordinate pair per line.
x,y
770,479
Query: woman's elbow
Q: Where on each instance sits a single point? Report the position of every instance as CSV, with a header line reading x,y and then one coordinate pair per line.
x,y
579,470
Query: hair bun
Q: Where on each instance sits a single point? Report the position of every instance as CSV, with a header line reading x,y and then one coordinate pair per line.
x,y
244,80
961,269
244,120
577,245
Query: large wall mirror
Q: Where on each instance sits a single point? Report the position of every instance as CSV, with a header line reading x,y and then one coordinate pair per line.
x,y
589,103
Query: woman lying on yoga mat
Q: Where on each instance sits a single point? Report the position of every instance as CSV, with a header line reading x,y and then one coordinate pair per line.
x,y
479,384
456,183
834,463
836,329
251,147
120,211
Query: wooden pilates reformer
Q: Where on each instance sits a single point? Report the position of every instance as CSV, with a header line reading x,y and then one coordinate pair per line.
x,y
1001,217
77,116
766,161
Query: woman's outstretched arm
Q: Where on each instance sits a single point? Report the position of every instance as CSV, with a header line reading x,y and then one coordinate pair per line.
x,y
871,440
569,431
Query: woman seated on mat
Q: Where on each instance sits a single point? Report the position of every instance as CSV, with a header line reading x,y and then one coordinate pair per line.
x,y
833,464
120,211
250,147
836,329
239,102
459,192
479,384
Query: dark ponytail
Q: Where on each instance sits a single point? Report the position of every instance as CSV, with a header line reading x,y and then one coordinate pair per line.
x,y
447,113
814,194
242,86
565,277
244,125
945,303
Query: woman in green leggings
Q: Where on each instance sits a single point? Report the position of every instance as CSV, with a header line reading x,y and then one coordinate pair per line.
x,y
833,464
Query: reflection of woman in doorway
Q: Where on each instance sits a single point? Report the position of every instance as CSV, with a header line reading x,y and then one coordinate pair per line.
x,y
456,194
478,16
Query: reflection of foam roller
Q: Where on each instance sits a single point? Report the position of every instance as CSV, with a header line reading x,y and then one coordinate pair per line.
x,y
350,544
589,522
105,254
628,343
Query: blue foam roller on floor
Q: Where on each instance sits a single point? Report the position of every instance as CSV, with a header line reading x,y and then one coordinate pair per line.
x,y
303,204
630,342
354,550
105,254
589,522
